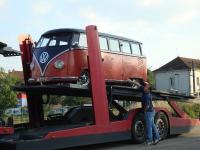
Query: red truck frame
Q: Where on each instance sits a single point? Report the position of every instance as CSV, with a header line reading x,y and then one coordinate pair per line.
x,y
103,130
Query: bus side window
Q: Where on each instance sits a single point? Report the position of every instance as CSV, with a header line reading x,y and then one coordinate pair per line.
x,y
82,40
125,47
75,40
136,49
62,43
103,43
114,45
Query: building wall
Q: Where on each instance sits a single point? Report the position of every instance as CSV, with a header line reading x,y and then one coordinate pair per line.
x,y
181,80
18,74
197,84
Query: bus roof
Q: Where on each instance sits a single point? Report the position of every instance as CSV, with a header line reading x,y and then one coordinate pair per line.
x,y
62,30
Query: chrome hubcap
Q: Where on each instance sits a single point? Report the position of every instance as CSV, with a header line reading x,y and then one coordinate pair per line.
x,y
160,126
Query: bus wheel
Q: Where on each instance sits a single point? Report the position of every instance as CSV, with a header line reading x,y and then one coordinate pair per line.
x,y
162,124
138,129
84,78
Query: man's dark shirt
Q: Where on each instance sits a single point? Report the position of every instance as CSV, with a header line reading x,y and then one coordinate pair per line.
x,y
147,101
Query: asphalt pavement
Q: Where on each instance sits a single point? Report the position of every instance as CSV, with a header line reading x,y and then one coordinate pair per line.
x,y
189,141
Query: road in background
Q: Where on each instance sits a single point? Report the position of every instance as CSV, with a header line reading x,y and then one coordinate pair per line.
x,y
189,141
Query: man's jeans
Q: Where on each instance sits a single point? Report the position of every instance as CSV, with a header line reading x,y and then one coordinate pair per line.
x,y
151,130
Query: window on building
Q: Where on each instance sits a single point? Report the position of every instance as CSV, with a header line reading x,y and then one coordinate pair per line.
x,y
171,82
198,81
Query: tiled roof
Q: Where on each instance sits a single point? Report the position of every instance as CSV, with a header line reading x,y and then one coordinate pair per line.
x,y
180,63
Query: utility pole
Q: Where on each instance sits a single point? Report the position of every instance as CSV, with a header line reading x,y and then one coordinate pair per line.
x,y
193,74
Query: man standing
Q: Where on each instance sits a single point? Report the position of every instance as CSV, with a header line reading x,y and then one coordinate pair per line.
x,y
152,135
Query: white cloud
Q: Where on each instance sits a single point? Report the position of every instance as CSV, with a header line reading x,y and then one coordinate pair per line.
x,y
88,13
91,17
42,7
136,29
189,3
2,3
150,3
183,17
165,45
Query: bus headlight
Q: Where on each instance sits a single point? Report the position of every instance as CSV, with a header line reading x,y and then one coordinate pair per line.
x,y
59,64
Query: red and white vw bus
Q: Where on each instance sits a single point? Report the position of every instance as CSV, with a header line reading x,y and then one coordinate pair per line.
x,y
60,55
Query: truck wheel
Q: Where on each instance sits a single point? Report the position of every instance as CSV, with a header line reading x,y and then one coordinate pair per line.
x,y
162,124
138,129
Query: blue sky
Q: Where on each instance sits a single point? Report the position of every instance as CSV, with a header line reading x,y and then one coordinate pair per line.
x,y
167,28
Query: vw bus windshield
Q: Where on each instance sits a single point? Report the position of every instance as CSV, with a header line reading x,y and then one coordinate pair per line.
x,y
52,40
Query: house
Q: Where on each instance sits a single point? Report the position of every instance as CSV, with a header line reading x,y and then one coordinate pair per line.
x,y
18,74
181,76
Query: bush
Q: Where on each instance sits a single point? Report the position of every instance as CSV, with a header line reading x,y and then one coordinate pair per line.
x,y
192,110
8,98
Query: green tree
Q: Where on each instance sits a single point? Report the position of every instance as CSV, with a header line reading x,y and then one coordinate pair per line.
x,y
150,77
71,100
8,97
68,100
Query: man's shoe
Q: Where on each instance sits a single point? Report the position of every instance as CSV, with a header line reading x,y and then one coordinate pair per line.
x,y
149,143
156,142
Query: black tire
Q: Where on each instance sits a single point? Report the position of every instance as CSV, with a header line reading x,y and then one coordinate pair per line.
x,y
162,124
138,129
2,122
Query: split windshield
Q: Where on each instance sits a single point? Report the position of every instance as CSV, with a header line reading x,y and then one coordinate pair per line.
x,y
52,40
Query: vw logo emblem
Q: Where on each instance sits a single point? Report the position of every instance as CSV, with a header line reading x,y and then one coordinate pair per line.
x,y
44,57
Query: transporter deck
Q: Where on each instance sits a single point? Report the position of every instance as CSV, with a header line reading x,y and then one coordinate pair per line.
x,y
113,91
